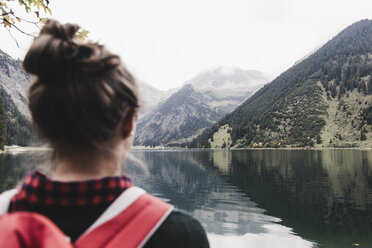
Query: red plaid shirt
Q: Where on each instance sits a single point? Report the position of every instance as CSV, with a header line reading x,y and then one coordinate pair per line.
x,y
39,190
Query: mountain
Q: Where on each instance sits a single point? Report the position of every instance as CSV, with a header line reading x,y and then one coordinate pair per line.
x,y
227,78
227,87
14,82
149,97
199,103
180,116
307,55
324,100
13,86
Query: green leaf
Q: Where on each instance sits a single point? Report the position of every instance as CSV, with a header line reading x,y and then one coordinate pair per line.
x,y
81,35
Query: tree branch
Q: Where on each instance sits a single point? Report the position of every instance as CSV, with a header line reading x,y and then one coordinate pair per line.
x,y
14,39
13,25
25,20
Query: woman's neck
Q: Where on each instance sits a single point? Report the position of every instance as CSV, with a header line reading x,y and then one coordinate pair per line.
x,y
85,168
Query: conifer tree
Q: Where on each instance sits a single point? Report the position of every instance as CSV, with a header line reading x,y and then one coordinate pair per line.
x,y
364,88
2,125
369,86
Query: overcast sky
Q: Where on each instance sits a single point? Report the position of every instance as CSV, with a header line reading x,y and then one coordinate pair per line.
x,y
166,42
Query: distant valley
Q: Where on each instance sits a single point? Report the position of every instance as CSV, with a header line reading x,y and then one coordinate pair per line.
x,y
198,104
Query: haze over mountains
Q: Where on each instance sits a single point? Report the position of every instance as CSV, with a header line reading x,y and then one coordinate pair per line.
x,y
200,102
149,97
323,100
175,115
227,87
222,81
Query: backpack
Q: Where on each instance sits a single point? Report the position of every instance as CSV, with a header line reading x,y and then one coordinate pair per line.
x,y
128,222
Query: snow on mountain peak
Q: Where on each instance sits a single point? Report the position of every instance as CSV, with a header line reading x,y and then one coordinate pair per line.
x,y
227,77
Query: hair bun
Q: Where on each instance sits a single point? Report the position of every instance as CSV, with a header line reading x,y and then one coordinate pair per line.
x,y
94,58
52,52
64,32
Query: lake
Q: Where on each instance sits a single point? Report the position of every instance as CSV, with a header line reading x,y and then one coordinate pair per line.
x,y
253,198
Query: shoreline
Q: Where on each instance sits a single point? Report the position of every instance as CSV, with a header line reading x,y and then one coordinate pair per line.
x,y
21,149
256,149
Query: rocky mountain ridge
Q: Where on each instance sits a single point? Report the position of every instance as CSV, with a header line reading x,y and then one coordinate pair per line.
x,y
200,102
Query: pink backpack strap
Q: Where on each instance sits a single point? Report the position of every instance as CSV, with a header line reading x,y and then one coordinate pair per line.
x,y
131,228
31,230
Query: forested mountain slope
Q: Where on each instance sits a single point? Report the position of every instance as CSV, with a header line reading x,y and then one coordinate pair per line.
x,y
324,100
13,86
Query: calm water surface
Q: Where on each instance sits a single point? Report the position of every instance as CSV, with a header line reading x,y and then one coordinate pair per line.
x,y
270,198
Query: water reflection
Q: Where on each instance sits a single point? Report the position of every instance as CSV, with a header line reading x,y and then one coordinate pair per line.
x,y
323,195
15,166
191,180
269,198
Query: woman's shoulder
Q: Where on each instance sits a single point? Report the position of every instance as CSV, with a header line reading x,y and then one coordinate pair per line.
x,y
179,230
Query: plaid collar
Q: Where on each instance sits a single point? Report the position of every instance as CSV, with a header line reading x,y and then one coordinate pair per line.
x,y
39,190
